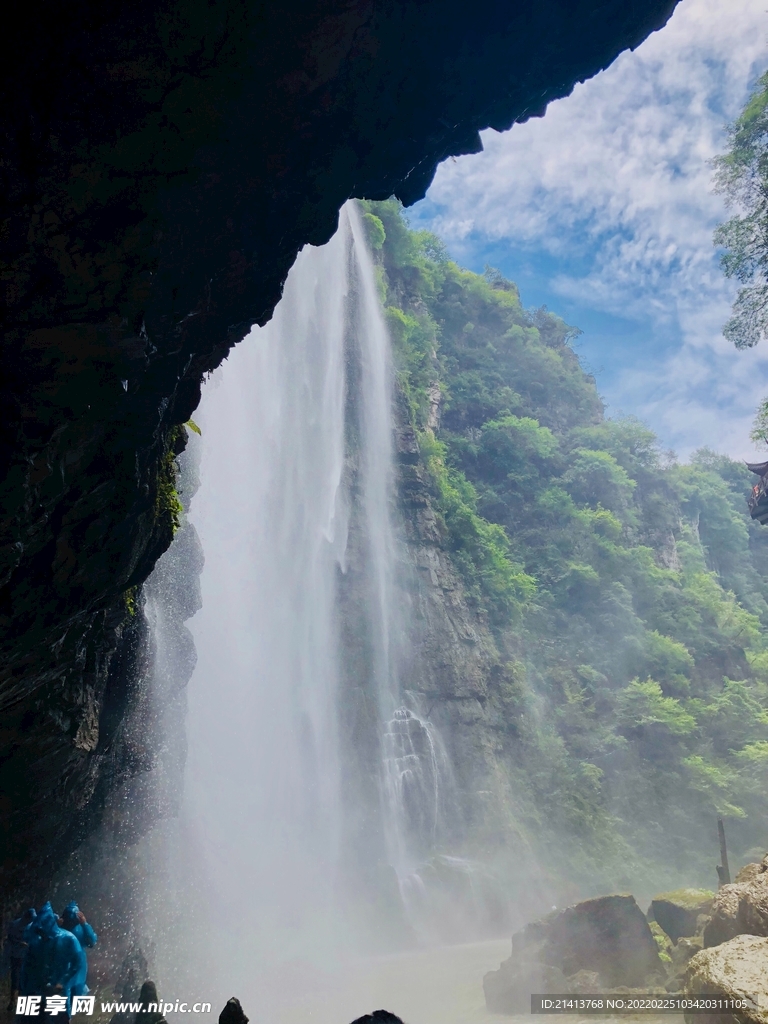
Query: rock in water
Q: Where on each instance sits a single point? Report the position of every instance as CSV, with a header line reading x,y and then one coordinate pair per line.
x,y
677,912
233,1013
739,909
609,935
736,968
378,1017
509,989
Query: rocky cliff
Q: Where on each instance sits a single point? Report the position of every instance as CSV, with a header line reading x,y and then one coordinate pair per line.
x,y
162,165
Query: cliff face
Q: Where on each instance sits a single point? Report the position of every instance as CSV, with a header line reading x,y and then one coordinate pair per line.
x,y
462,681
162,166
456,659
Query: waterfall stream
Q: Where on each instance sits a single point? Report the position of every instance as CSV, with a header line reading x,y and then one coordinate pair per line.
x,y
313,790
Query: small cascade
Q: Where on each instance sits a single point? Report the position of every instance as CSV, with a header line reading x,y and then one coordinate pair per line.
x,y
415,773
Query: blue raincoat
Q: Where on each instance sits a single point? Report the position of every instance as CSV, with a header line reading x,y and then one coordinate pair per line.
x,y
87,938
54,958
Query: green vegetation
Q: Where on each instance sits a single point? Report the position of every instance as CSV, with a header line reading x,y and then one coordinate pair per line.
x,y
628,594
742,177
168,507
690,899
663,941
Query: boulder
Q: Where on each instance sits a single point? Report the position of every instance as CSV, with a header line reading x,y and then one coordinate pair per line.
x,y
739,909
609,935
509,989
684,950
680,955
583,983
748,872
736,967
753,906
723,924
677,912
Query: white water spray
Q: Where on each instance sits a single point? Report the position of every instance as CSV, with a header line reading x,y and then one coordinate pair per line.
x,y
288,704
312,792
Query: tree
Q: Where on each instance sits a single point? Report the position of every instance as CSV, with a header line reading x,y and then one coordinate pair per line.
x,y
741,175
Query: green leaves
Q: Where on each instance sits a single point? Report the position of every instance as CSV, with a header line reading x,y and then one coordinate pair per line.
x,y
374,230
481,549
741,175
596,478
642,705
630,592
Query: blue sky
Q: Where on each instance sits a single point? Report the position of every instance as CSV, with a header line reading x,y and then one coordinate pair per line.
x,y
603,210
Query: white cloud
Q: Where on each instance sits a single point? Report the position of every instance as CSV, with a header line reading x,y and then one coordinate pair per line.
x,y
617,178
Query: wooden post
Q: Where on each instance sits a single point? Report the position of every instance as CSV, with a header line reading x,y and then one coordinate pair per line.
x,y
723,871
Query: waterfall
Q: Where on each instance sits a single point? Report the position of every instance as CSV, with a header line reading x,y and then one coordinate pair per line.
x,y
272,513
304,801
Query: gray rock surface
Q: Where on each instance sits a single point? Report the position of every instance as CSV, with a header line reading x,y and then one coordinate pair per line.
x,y
748,872
739,909
584,982
608,937
736,968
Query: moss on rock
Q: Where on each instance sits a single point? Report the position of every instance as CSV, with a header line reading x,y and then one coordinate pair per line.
x,y
677,912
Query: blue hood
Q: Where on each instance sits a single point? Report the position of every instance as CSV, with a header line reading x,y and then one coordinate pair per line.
x,y
47,923
70,912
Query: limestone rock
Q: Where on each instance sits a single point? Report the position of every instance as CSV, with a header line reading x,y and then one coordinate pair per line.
x,y
584,982
680,955
684,950
609,935
723,924
737,967
748,872
753,908
739,909
677,912
509,989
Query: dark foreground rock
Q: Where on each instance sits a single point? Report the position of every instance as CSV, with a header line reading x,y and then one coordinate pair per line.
x,y
739,909
735,968
677,912
233,1013
378,1017
600,943
609,935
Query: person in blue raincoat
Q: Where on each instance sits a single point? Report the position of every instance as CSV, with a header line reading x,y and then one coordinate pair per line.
x,y
73,919
54,960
